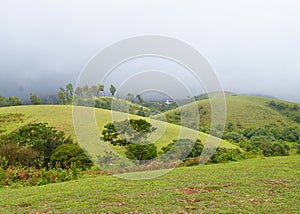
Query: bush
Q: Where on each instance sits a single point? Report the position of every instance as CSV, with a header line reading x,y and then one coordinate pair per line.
x,y
141,151
108,158
223,155
39,137
234,137
30,176
183,149
70,155
269,146
15,155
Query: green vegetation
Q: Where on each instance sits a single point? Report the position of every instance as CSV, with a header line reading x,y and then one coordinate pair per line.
x,y
35,100
269,185
133,135
11,101
242,112
36,153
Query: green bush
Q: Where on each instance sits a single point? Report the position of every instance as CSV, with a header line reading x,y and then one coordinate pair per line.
x,y
223,155
68,155
183,149
15,155
141,151
30,176
41,138
234,137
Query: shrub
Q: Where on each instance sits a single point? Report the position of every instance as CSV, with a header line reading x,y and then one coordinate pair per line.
x,y
17,155
234,137
108,158
68,155
223,155
141,151
183,149
39,137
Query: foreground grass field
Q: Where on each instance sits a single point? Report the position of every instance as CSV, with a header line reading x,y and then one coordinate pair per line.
x,y
268,185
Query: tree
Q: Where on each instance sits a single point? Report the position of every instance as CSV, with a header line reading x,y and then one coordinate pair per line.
x,y
61,95
14,101
67,155
112,90
130,97
35,100
79,92
183,149
141,152
3,101
15,155
94,90
128,131
39,137
100,88
139,98
132,134
85,90
69,93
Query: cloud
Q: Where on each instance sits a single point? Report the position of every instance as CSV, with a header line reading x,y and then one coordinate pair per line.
x,y
253,46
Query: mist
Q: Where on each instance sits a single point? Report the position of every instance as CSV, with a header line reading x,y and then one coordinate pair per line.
x,y
254,47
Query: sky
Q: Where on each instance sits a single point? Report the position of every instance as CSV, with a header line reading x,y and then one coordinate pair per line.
x,y
253,46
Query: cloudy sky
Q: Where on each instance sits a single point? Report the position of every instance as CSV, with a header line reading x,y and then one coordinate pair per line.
x,y
253,46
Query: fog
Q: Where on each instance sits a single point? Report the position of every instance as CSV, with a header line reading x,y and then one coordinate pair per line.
x,y
253,46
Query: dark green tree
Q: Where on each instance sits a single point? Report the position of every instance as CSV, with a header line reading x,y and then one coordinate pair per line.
x,y
100,88
183,149
112,90
41,138
69,93
67,155
141,152
125,132
132,134
140,99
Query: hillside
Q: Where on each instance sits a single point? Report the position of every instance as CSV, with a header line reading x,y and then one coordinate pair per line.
x,y
60,117
268,185
242,112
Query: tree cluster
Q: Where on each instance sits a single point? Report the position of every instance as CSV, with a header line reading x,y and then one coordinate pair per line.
x,y
39,145
10,101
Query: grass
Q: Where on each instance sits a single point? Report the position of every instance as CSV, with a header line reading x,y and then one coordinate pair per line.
x,y
243,111
268,185
88,128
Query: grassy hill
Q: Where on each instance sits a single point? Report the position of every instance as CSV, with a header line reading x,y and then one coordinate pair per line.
x,y
242,112
268,185
60,117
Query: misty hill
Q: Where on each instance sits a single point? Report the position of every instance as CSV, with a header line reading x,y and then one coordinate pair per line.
x,y
243,112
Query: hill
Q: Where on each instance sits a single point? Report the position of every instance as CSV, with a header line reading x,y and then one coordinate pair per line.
x,y
242,112
60,116
268,185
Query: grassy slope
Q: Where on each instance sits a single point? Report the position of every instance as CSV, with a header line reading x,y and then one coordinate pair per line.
x,y
268,185
249,111
61,117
